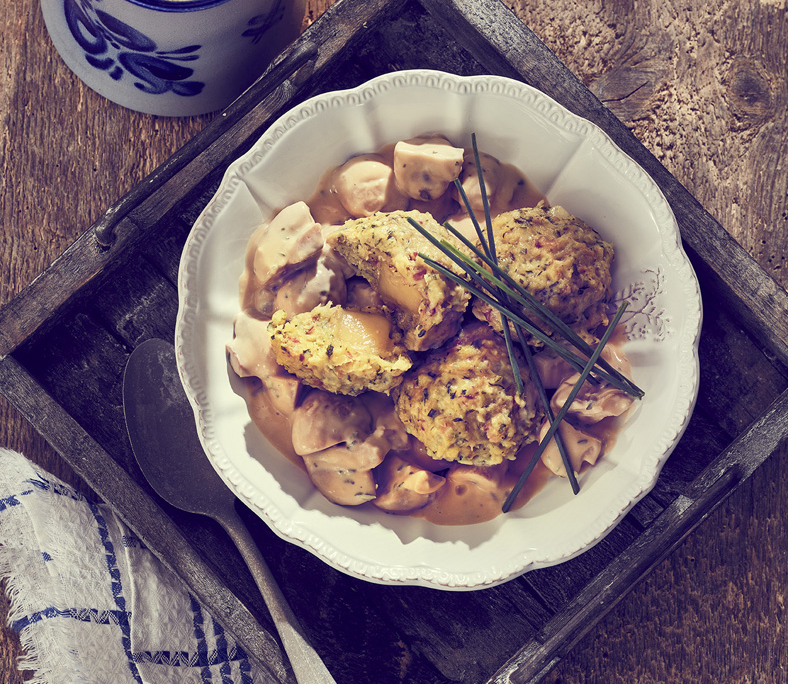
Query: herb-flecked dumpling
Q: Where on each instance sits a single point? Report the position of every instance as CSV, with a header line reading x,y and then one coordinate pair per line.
x,y
383,248
340,351
462,402
560,260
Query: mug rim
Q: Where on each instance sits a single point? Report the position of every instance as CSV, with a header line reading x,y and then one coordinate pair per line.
x,y
177,5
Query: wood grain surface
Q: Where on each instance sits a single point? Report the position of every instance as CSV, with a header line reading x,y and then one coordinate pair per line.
x,y
702,84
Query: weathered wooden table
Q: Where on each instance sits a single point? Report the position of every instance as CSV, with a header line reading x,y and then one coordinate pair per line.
x,y
702,85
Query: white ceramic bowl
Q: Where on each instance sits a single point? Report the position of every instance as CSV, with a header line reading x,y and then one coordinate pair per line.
x,y
576,165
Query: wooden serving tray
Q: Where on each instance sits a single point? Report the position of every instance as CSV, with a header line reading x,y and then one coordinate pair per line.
x,y
64,342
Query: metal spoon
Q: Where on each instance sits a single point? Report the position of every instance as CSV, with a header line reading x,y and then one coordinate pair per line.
x,y
164,439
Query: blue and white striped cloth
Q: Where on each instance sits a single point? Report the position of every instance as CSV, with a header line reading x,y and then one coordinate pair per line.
x,y
91,604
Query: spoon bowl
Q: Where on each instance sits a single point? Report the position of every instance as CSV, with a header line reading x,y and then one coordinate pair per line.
x,y
164,439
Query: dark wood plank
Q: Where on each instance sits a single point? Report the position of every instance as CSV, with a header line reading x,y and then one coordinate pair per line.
x,y
559,585
78,364
712,486
136,302
610,586
696,618
703,441
646,511
738,378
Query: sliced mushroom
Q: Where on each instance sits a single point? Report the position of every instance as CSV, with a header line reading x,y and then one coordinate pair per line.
x,y
593,402
477,480
425,166
364,455
495,182
325,420
250,355
321,282
581,447
615,356
404,487
345,486
387,422
470,494
250,350
343,473
365,184
552,368
291,241
284,392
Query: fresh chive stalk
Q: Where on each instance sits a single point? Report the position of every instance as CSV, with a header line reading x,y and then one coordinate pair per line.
x,y
512,288
507,336
490,247
497,288
507,504
485,202
472,214
533,372
548,410
577,362
521,293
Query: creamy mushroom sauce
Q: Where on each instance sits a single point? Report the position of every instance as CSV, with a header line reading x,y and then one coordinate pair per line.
x,y
355,449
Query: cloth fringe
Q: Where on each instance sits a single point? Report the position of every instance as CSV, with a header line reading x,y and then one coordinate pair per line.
x,y
91,604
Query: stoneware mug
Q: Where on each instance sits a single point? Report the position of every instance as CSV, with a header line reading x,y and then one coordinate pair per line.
x,y
171,57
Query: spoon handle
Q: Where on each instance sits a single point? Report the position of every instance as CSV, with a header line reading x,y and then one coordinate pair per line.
x,y
307,665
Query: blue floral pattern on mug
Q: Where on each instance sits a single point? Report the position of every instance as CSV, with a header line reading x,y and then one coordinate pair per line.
x,y
117,48
260,24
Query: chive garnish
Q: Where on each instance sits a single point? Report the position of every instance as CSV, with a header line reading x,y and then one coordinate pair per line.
x,y
548,410
560,415
489,247
521,293
577,362
480,274
475,223
507,336
502,280
485,202
497,288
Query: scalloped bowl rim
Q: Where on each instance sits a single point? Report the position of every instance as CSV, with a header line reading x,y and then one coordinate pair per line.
x,y
279,510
